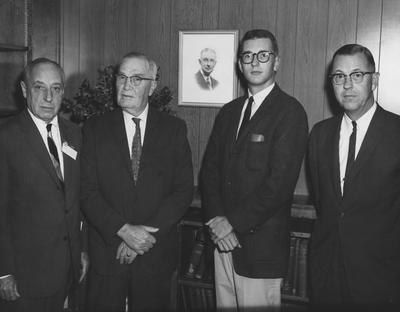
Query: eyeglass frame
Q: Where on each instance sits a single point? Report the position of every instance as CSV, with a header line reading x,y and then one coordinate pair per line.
x,y
137,82
332,76
257,54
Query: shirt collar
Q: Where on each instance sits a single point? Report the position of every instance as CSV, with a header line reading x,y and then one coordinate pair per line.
x,y
143,115
362,122
260,96
41,124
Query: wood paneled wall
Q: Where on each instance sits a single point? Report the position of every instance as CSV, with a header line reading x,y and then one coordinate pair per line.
x,y
95,33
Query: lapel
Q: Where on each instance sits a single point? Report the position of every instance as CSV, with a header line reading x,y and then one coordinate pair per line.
x,y
36,145
119,139
333,152
70,164
151,139
233,126
372,137
260,113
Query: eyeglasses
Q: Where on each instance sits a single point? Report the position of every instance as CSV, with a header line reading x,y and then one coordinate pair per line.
x,y
262,57
356,77
134,80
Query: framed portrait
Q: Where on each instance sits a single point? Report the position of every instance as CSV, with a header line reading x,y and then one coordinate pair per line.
x,y
207,67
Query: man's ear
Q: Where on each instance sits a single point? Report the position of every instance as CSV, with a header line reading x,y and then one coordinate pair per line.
x,y
277,63
23,88
152,87
240,66
375,81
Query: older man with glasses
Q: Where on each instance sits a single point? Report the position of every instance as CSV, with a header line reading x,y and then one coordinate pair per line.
x,y
137,182
354,161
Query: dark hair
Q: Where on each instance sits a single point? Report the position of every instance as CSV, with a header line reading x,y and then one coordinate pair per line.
x,y
258,34
152,64
351,49
42,60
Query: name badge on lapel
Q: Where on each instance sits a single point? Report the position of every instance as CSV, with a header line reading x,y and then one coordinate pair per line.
x,y
256,137
68,150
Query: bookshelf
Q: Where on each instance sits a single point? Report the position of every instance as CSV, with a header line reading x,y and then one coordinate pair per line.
x,y
197,293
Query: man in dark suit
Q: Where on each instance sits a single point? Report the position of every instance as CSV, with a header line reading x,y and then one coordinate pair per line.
x,y
354,161
137,182
249,173
39,203
207,61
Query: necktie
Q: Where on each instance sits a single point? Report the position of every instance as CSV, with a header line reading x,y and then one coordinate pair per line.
x,y
53,152
208,80
136,149
352,151
246,116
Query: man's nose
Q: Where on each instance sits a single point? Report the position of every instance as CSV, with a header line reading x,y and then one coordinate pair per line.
x,y
48,95
348,83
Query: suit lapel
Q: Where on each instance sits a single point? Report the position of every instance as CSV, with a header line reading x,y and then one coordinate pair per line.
x,y
36,145
333,151
119,139
372,137
259,114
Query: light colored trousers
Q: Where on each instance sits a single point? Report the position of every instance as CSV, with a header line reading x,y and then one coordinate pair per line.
x,y
239,293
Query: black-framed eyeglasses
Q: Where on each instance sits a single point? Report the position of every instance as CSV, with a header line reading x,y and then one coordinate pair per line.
x,y
134,80
262,57
355,77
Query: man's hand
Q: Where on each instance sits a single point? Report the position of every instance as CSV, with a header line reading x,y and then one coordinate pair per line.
x,y
84,265
219,227
125,255
8,288
228,243
138,237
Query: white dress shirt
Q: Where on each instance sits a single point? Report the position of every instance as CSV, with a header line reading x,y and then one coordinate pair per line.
x,y
346,128
130,127
258,98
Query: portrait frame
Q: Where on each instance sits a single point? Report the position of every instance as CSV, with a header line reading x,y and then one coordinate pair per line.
x,y
222,83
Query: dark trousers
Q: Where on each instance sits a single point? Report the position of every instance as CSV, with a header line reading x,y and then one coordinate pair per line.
x,y
53,303
145,291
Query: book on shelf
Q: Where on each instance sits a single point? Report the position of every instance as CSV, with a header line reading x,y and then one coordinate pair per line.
x,y
302,288
196,255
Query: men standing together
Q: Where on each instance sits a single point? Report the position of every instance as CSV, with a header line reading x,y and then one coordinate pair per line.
x,y
250,169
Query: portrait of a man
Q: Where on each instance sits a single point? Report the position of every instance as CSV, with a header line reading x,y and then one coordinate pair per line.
x,y
207,61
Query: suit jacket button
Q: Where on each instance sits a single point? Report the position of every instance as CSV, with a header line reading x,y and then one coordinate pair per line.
x,y
66,211
342,214
65,238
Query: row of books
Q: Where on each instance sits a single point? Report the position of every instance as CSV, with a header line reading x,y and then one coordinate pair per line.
x,y
200,265
295,282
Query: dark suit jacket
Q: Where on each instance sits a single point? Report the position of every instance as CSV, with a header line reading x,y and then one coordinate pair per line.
x,y
366,221
39,221
110,198
203,84
251,181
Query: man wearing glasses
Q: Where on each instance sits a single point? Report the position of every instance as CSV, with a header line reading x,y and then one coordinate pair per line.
x,y
249,173
137,182
354,161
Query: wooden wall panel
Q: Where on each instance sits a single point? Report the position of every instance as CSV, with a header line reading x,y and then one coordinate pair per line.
x,y
69,50
91,40
308,32
46,29
389,59
115,30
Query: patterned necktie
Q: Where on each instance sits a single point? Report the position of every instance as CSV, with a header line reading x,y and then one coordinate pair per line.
x,y
352,151
53,152
136,149
246,116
